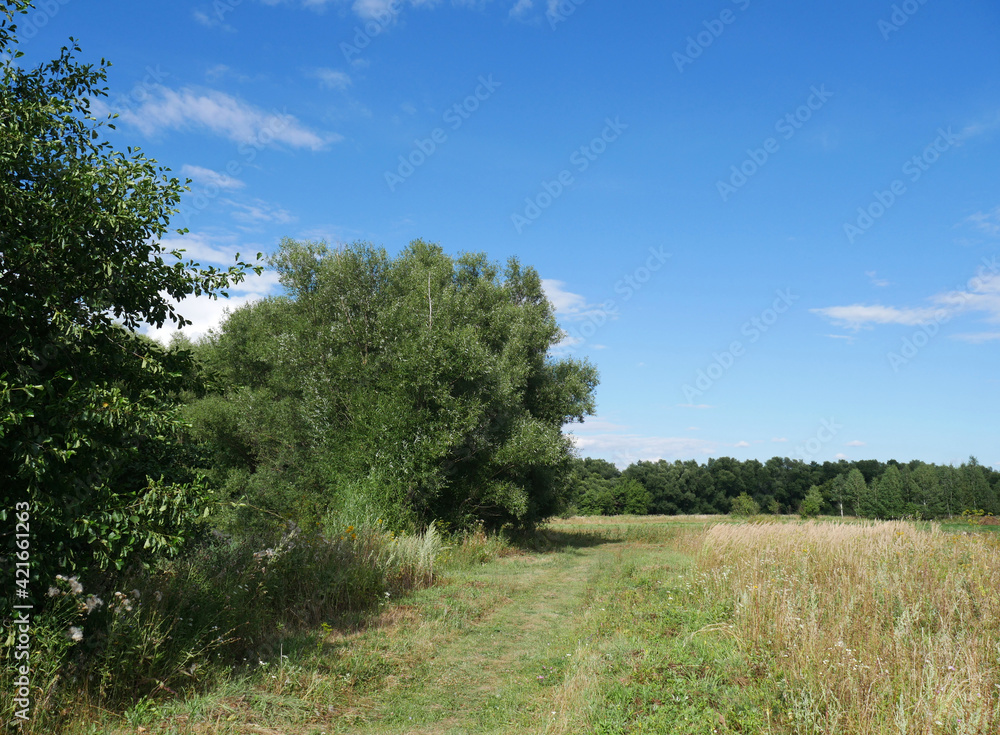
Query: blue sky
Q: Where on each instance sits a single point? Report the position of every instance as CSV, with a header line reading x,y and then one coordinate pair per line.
x,y
775,228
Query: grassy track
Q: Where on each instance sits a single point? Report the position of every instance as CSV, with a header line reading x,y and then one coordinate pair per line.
x,y
622,627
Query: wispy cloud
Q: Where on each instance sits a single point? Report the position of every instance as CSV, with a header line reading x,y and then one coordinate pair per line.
x,y
212,20
624,448
855,443
980,294
979,338
779,440
857,316
208,177
875,281
982,126
259,212
572,307
331,78
521,8
191,108
383,9
986,222
742,444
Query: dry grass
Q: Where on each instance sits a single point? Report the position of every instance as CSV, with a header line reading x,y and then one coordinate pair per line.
x,y
874,627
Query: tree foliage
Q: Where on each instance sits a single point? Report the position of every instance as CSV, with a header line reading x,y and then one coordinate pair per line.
x,y
892,490
415,388
87,425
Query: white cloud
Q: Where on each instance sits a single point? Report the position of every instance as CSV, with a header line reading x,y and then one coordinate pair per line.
x,y
624,449
212,21
331,78
742,444
855,443
599,437
986,222
979,338
875,281
203,312
258,212
979,127
221,114
571,307
207,177
779,439
980,293
565,303
204,248
840,455
521,8
387,10
857,316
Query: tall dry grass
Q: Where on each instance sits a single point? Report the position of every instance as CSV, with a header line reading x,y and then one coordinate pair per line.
x,y
870,628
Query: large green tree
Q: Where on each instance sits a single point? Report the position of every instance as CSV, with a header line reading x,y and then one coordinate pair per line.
x,y
417,388
85,413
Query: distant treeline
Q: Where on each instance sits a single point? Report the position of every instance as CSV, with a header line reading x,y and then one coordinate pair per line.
x,y
866,488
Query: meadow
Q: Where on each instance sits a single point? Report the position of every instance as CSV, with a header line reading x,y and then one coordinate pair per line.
x,y
641,624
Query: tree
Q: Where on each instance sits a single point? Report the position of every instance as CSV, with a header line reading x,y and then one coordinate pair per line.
x,y
417,388
859,494
635,498
812,503
744,506
85,402
889,493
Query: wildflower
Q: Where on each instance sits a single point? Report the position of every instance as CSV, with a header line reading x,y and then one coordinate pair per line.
x,y
135,593
93,603
54,592
74,586
75,633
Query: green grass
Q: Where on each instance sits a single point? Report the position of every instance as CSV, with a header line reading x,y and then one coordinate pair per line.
x,y
592,626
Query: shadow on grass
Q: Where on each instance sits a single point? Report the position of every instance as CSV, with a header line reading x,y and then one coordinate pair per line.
x,y
547,540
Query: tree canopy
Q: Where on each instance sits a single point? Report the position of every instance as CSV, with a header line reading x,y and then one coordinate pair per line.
x,y
418,388
85,414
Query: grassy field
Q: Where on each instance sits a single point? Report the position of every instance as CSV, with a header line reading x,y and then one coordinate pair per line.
x,y
646,625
